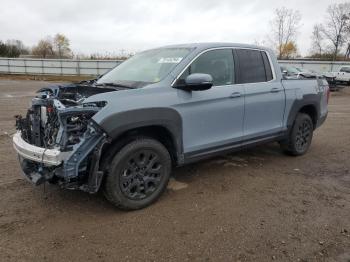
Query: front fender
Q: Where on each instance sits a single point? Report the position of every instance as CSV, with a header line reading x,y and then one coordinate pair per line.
x,y
117,123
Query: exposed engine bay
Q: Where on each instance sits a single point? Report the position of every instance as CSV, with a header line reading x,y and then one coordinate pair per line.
x,y
59,123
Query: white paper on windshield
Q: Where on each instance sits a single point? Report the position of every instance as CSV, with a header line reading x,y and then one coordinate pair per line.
x,y
170,60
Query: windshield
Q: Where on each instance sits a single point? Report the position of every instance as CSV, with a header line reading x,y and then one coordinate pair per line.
x,y
345,69
145,67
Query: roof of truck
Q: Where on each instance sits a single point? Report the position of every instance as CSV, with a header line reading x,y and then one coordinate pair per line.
x,y
213,45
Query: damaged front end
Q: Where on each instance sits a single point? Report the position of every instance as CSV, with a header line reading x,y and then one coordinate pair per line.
x,y
57,141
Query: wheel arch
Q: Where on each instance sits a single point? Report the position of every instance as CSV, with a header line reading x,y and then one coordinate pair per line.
x,y
162,124
308,105
311,111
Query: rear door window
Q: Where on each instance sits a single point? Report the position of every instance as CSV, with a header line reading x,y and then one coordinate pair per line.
x,y
254,66
268,70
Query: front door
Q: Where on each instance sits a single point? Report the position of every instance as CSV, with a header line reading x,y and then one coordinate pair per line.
x,y
212,119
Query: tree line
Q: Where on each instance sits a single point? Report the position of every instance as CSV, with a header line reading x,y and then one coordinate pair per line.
x,y
57,46
330,38
12,48
50,47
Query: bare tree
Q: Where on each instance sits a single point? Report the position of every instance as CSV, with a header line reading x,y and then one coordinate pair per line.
x,y
334,29
18,44
317,40
44,48
61,46
285,26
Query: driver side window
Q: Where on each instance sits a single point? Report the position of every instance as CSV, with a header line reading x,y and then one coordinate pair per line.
x,y
217,63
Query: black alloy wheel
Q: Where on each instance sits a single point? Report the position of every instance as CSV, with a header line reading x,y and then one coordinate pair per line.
x,y
138,174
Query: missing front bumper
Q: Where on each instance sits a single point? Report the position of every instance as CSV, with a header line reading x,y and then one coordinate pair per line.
x,y
49,157
36,162
75,169
32,171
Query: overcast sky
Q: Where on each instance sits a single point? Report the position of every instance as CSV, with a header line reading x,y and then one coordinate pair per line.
x,y
134,25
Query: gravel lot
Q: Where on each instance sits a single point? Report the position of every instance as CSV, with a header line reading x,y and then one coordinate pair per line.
x,y
256,205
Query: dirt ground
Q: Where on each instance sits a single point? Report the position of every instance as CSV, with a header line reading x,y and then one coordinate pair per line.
x,y
256,205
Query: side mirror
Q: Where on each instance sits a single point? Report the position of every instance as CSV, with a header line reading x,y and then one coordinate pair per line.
x,y
285,72
198,82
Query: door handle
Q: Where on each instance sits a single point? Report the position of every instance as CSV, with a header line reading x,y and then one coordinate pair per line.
x,y
235,94
275,90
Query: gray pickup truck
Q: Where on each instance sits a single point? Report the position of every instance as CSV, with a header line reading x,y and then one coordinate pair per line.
x,y
162,108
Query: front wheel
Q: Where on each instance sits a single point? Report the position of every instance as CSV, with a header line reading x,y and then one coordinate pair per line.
x,y
138,174
300,137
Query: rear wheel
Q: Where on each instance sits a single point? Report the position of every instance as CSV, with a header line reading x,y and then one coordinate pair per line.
x,y
138,174
300,137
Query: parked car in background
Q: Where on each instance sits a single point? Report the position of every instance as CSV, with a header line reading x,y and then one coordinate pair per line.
x,y
343,76
332,82
163,108
293,72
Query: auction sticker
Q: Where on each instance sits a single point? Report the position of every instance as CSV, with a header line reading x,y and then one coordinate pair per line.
x,y
170,60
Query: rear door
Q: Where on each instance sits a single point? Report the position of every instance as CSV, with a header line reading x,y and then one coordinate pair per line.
x,y
264,95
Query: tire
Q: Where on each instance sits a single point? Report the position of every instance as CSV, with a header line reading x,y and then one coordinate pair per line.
x,y
138,174
300,136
